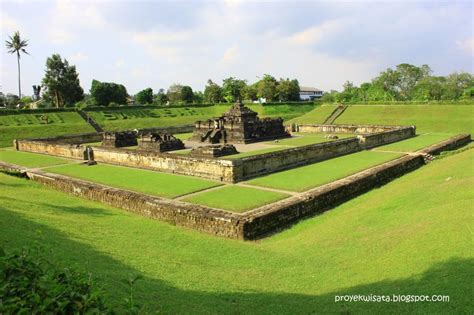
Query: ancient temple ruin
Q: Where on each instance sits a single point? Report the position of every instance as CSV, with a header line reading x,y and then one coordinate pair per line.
x,y
239,124
119,139
159,142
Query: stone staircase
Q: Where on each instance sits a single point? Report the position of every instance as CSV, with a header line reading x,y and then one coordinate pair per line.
x,y
89,120
336,113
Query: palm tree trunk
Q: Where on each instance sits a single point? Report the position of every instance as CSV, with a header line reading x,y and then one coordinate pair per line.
x,y
19,84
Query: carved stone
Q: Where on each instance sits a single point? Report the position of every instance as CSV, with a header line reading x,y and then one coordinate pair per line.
x,y
160,142
213,151
119,139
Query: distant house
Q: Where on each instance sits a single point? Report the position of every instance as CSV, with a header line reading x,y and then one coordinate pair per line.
x,y
310,93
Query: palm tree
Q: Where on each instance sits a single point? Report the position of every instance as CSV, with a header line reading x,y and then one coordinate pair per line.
x,y
17,45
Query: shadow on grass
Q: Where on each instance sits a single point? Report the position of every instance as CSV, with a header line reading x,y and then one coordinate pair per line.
x,y
453,278
91,211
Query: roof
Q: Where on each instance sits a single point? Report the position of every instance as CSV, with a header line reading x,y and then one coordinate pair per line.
x,y
309,89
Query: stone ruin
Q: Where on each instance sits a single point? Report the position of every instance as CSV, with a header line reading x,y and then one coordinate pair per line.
x,y
159,142
239,124
119,139
213,151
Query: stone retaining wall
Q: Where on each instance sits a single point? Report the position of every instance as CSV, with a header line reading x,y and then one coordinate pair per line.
x,y
231,170
252,224
449,144
221,170
362,129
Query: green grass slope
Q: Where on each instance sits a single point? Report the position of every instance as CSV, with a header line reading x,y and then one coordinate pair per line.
x,y
21,126
450,119
130,118
316,116
411,236
30,159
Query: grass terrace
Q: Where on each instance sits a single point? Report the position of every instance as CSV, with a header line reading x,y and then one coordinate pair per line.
x,y
316,116
23,126
317,174
411,236
28,159
301,139
131,118
414,144
235,198
139,180
452,119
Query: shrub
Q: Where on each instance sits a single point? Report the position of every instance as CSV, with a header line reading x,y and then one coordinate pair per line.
x,y
31,285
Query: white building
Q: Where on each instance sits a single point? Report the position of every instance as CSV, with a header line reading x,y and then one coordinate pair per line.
x,y
310,93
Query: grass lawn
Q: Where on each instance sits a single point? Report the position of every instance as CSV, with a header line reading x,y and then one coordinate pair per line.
x,y
414,144
30,159
317,174
302,139
452,119
235,198
21,126
411,236
316,116
148,182
161,117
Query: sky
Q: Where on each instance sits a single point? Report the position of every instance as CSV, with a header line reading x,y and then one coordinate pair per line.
x,y
154,44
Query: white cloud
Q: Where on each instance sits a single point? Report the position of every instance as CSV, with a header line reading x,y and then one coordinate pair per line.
x,y
9,24
78,57
467,46
316,33
230,54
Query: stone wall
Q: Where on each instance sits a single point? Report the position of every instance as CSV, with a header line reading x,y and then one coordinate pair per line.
x,y
266,163
74,151
371,140
271,218
449,144
360,129
212,221
221,170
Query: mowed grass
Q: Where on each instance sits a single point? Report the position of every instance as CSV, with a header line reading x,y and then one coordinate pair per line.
x,y
316,116
451,119
30,159
301,139
183,136
411,236
317,174
130,118
235,198
22,126
253,152
414,144
144,181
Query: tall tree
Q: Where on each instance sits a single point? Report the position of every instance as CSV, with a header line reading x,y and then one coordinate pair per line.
x,y
267,88
105,93
212,92
233,89
16,45
61,82
187,94
288,90
145,96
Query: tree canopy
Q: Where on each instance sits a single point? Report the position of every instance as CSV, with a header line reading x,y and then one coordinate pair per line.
x,y
61,82
105,93
145,96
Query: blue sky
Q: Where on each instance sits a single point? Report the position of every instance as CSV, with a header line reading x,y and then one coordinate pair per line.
x,y
157,43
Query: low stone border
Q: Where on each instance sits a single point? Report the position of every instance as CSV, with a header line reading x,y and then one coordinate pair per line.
x,y
226,170
252,224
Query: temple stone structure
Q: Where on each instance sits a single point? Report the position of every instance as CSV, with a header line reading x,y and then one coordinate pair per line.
x,y
119,139
239,125
159,142
213,151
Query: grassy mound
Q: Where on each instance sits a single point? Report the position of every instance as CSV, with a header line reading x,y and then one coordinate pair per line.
x,y
22,126
411,236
